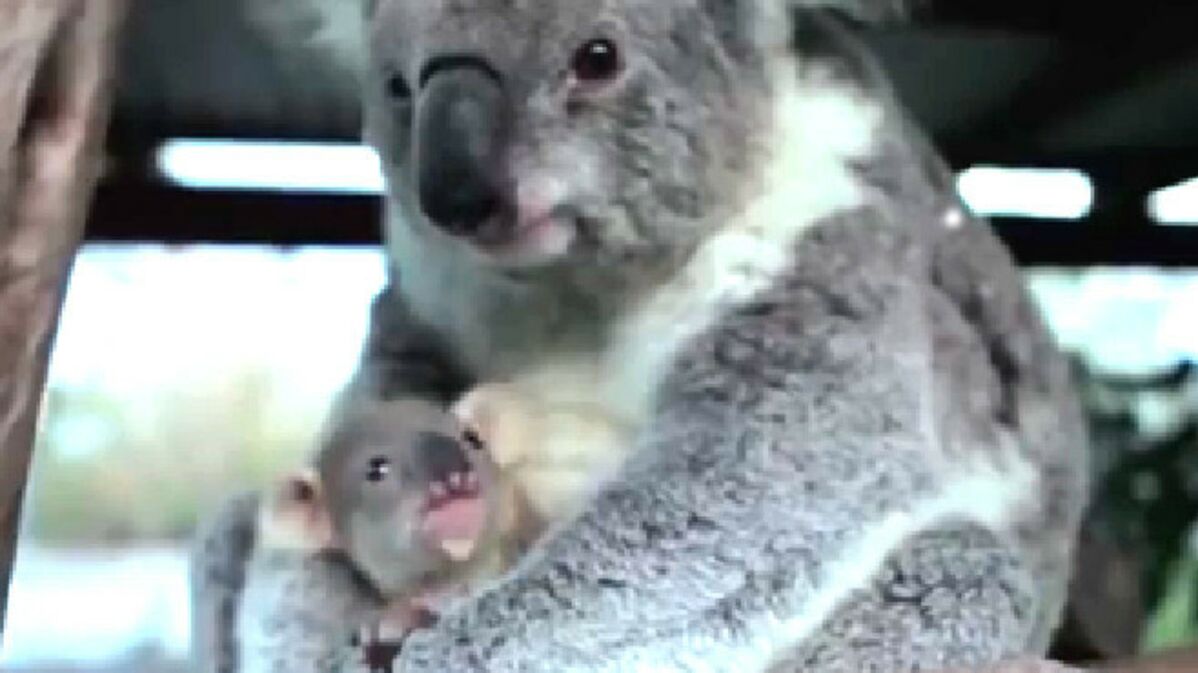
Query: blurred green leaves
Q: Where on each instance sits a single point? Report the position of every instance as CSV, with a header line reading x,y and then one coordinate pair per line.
x,y
111,471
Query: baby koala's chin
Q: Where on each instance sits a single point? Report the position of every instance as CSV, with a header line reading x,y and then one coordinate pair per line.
x,y
455,526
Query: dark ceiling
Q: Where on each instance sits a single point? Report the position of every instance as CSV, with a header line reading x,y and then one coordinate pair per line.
x,y
1109,88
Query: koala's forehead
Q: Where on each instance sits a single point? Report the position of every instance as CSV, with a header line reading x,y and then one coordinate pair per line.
x,y
389,429
509,29
398,423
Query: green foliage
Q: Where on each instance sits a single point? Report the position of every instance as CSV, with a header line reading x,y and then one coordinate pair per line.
x,y
1144,435
1175,621
111,471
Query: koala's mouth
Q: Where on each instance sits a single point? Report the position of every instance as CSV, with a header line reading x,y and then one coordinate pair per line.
x,y
454,514
523,241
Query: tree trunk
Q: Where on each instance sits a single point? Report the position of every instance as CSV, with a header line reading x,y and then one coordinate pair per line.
x,y
1184,660
56,64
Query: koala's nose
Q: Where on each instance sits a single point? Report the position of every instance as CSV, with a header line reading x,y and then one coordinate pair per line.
x,y
441,456
461,129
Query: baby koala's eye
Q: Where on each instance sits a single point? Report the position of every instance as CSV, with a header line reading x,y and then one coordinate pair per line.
x,y
596,61
377,469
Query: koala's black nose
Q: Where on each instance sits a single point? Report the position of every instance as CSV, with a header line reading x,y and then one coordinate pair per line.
x,y
461,130
440,456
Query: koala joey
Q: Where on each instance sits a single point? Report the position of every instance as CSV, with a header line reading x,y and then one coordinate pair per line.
x,y
421,506
418,511
844,439
427,506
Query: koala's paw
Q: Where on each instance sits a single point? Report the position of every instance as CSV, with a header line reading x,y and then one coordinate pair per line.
x,y
495,417
374,647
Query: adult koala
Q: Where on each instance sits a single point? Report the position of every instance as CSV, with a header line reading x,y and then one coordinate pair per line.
x,y
856,448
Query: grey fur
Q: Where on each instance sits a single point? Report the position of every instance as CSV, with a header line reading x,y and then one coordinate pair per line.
x,y
787,431
377,522
905,609
300,613
897,353
282,611
219,557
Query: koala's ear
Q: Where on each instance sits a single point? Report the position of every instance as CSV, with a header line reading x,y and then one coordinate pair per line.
x,y
295,515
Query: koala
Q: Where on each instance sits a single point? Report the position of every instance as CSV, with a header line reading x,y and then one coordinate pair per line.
x,y
424,506
415,517
418,507
404,496
847,441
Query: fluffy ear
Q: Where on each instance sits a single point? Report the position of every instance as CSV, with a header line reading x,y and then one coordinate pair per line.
x,y
295,515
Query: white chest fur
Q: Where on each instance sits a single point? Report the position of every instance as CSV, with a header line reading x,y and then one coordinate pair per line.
x,y
820,127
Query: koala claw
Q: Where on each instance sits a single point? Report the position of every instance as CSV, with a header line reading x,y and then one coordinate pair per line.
x,y
491,416
377,645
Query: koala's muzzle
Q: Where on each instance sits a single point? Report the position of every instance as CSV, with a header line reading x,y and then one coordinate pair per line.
x,y
461,131
440,457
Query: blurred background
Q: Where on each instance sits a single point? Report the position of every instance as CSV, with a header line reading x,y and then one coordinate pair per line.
x,y
222,295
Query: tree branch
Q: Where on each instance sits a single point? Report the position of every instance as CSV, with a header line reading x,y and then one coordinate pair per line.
x,y
56,65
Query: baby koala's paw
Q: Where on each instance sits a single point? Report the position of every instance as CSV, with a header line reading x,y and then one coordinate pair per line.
x,y
498,419
377,644
370,651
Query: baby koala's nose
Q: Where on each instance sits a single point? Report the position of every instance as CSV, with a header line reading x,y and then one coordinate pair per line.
x,y
442,456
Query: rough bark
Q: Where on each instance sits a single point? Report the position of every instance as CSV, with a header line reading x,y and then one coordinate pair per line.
x,y
1176,661
1028,666
56,64
1183,660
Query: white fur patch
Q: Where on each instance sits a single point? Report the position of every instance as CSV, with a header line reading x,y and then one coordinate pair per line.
x,y
821,126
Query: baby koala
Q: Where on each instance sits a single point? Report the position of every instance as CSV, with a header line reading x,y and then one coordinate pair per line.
x,y
426,505
415,508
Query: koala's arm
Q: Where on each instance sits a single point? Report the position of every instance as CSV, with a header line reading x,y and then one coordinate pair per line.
x,y
300,611
219,558
794,455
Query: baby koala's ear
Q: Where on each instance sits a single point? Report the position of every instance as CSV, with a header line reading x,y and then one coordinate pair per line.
x,y
295,515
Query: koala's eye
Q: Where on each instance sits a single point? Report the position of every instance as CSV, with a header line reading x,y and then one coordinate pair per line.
x,y
596,61
377,469
397,87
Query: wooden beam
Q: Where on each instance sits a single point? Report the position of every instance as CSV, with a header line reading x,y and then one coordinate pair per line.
x,y
1118,50
145,213
148,213
56,59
